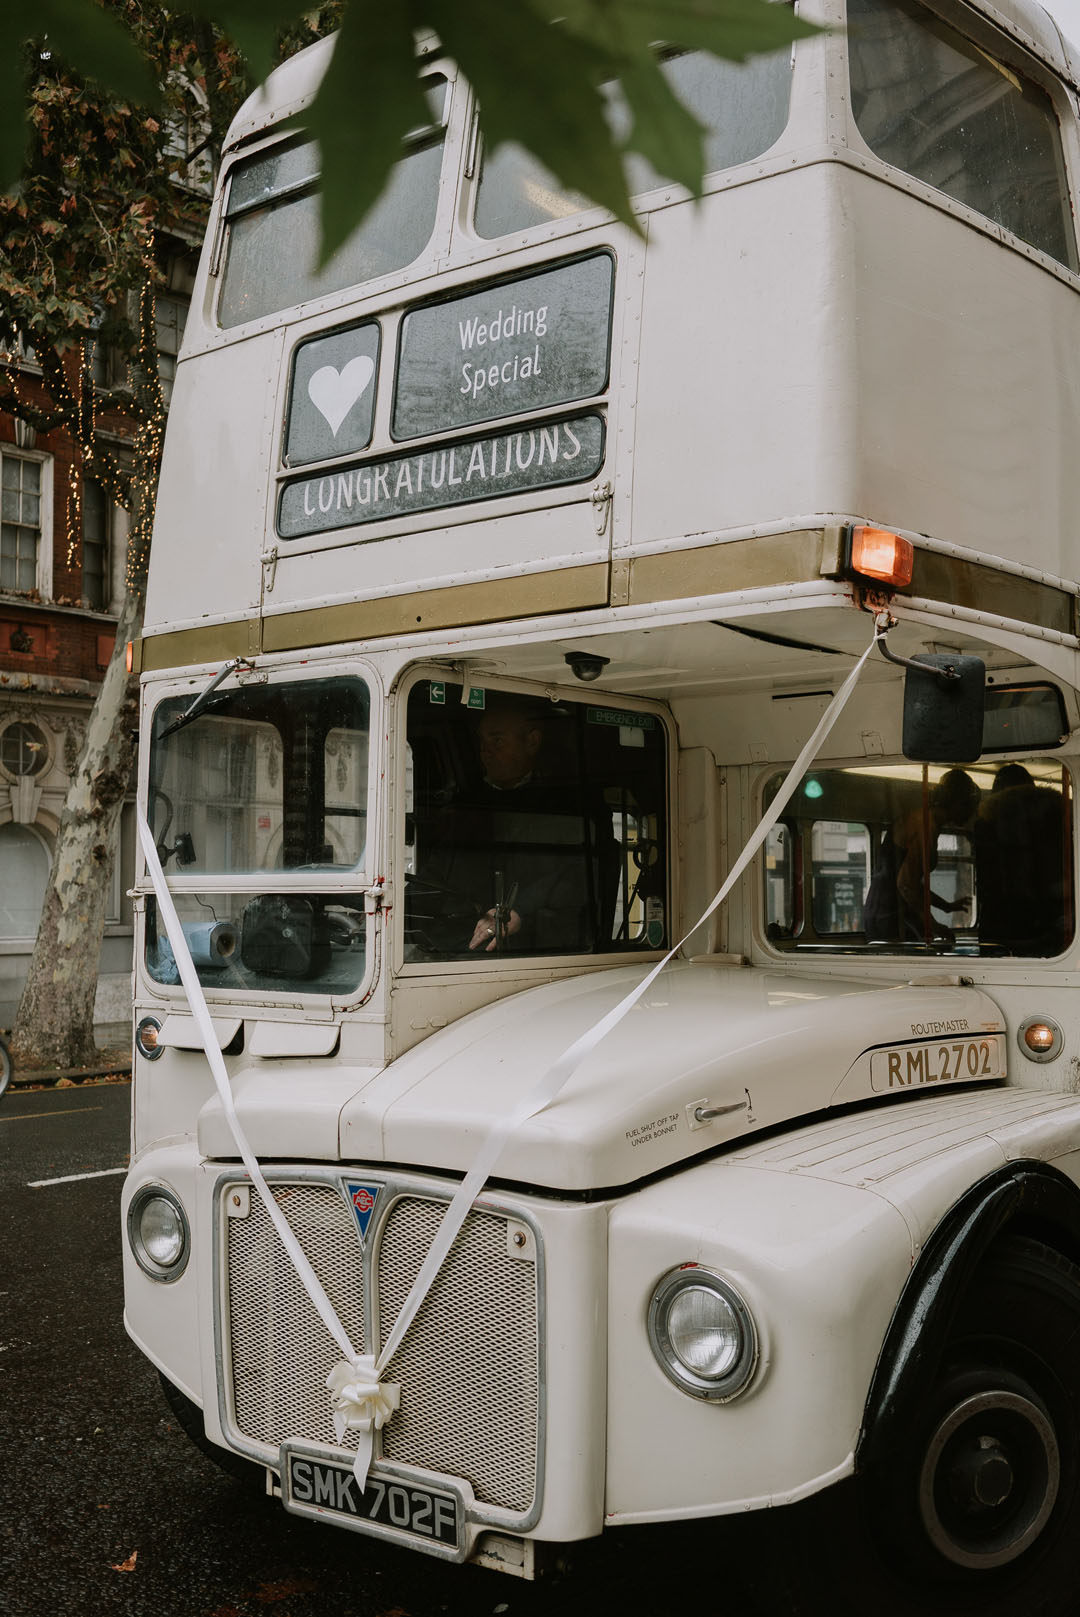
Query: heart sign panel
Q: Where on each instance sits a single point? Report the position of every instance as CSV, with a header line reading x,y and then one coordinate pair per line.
x,y
332,394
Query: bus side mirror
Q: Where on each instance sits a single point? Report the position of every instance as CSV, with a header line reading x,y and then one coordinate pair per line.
x,y
943,718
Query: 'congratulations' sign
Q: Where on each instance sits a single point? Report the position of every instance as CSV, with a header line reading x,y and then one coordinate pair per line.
x,y
523,458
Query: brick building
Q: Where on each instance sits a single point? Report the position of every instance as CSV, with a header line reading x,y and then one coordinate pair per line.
x,y
62,559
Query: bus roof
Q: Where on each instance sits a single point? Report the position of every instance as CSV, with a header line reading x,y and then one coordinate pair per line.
x,y
292,85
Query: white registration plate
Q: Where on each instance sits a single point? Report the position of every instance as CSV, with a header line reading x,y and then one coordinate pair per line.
x,y
428,1517
939,1061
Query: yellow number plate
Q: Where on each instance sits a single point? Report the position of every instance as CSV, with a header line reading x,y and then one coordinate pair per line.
x,y
939,1061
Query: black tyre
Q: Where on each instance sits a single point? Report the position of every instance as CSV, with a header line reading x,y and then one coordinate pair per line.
x,y
189,1418
6,1067
978,1511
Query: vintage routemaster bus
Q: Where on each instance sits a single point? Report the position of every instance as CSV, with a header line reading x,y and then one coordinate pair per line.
x,y
519,583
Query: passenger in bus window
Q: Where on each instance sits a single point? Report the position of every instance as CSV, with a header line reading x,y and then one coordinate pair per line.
x,y
1019,840
899,899
509,744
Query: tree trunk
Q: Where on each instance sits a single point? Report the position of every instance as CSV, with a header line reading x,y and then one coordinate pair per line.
x,y
55,1025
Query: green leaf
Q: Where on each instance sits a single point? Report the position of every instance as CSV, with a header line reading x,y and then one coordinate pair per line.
x,y
733,29
95,43
254,25
664,131
538,87
13,126
369,99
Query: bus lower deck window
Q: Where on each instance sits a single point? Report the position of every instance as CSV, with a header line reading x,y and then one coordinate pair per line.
x,y
901,858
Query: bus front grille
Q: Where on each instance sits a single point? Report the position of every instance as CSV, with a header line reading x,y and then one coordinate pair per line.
x,y
468,1366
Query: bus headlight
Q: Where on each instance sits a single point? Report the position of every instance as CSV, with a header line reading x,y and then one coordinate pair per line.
x,y
158,1232
702,1334
146,1038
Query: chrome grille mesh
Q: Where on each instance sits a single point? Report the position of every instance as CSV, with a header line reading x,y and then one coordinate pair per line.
x,y
279,1344
468,1364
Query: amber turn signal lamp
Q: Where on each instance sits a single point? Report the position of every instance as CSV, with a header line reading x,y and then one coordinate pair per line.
x,y
877,553
129,656
1039,1038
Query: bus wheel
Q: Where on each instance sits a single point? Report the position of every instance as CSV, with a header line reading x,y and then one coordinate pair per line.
x,y
979,1510
190,1420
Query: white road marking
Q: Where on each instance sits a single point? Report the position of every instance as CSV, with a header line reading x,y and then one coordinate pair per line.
x,y
63,1111
70,1178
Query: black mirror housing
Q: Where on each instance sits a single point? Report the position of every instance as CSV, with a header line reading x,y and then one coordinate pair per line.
x,y
943,718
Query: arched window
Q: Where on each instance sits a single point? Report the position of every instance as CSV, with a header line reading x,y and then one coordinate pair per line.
x,y
24,749
24,873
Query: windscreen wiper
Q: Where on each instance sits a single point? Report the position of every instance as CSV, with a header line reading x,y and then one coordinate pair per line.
x,y
202,700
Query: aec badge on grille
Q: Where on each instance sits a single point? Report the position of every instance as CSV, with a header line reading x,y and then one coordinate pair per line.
x,y
362,1199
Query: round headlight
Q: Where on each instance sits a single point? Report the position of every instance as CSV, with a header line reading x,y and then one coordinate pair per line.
x,y
702,1334
146,1038
158,1232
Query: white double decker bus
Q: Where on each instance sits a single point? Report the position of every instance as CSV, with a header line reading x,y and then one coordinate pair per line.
x,y
515,589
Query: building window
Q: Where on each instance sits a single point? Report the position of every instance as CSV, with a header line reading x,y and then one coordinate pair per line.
x,y
16,350
25,861
23,749
21,525
95,546
170,316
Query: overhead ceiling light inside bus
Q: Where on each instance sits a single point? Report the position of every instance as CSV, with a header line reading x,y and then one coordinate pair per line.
x,y
876,553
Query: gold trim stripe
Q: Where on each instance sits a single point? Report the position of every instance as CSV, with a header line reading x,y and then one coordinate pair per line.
x,y
720,569
764,562
984,589
569,589
493,601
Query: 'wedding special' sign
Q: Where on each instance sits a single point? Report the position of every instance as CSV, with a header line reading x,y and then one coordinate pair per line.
x,y
525,345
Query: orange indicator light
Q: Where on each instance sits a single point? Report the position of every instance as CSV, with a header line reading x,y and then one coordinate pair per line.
x,y
129,656
1039,1037
877,553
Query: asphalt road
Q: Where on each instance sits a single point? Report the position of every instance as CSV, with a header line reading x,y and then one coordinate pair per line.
x,y
106,1508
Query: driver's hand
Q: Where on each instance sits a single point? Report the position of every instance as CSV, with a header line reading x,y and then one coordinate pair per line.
x,y
484,933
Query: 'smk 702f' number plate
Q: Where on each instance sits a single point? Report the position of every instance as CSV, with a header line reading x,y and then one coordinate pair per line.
x,y
428,1518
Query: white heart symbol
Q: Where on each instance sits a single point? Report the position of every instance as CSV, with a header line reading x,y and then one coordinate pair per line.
x,y
333,393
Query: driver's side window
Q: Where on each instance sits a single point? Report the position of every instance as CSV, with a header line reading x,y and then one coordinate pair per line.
x,y
532,826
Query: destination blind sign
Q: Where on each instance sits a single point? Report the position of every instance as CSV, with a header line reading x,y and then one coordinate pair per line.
x,y
507,462
532,344
529,344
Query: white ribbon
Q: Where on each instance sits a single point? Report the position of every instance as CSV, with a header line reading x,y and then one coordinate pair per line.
x,y
555,1079
354,1369
360,1401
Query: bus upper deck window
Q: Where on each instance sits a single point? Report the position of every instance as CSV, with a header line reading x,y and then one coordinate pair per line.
x,y
272,222
744,107
935,105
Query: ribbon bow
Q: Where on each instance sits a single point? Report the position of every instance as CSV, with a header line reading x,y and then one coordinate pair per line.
x,y
361,1403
